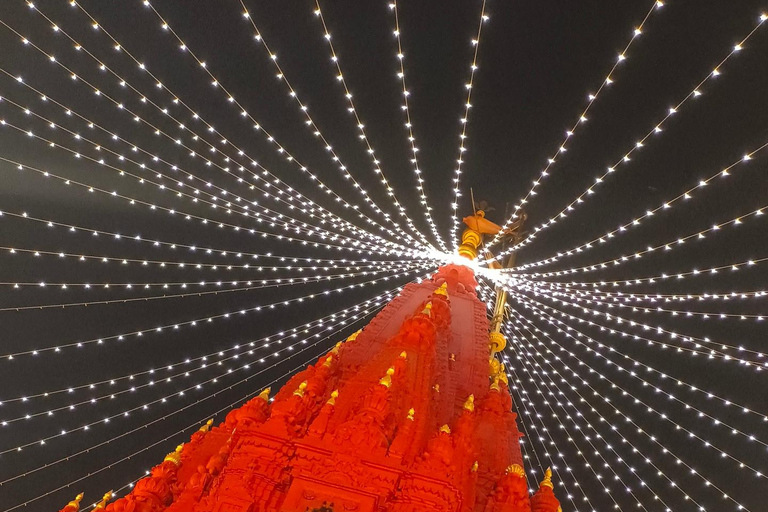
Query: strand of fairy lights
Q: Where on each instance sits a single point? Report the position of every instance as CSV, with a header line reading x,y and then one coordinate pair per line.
x,y
555,463
592,98
266,341
694,93
409,133
463,135
168,378
701,414
135,148
9,356
194,196
528,357
188,216
697,342
650,409
665,246
163,418
650,212
264,284
195,116
589,298
173,264
244,113
317,262
527,365
589,342
312,126
163,399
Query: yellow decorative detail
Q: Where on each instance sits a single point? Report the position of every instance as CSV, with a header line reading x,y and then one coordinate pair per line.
x,y
334,396
502,376
493,366
497,341
328,360
335,349
264,395
495,385
474,467
386,380
76,502
452,357
469,405
547,482
354,335
516,469
442,290
411,413
436,387
104,500
300,390
445,429
206,427
403,355
175,456
427,310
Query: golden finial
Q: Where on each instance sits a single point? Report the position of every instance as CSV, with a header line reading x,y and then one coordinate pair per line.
x,y
474,467
495,385
452,357
264,395
300,390
516,469
411,413
469,405
427,309
442,290
386,380
335,349
175,456
436,387
494,366
502,376
76,502
104,500
334,396
207,426
445,429
547,482
354,335
328,360
403,355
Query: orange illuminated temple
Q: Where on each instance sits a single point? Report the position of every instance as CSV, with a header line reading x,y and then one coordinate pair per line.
x,y
411,414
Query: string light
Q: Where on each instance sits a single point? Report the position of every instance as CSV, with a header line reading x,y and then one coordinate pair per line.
x,y
582,119
195,116
409,131
463,135
9,356
658,128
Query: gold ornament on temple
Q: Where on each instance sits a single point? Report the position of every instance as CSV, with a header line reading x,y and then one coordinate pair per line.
x,y
427,310
328,360
403,355
264,395
469,404
474,467
494,366
436,387
354,335
334,396
175,456
497,341
411,413
445,429
300,390
452,357
104,500
495,385
442,290
386,380
547,482
207,426
516,469
76,502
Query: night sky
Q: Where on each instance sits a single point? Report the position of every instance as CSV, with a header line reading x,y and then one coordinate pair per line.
x,y
537,64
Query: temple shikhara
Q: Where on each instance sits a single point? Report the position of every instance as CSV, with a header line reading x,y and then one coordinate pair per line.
x,y
412,413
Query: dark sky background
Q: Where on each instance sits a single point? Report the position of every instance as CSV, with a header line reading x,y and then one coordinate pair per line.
x,y
537,63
